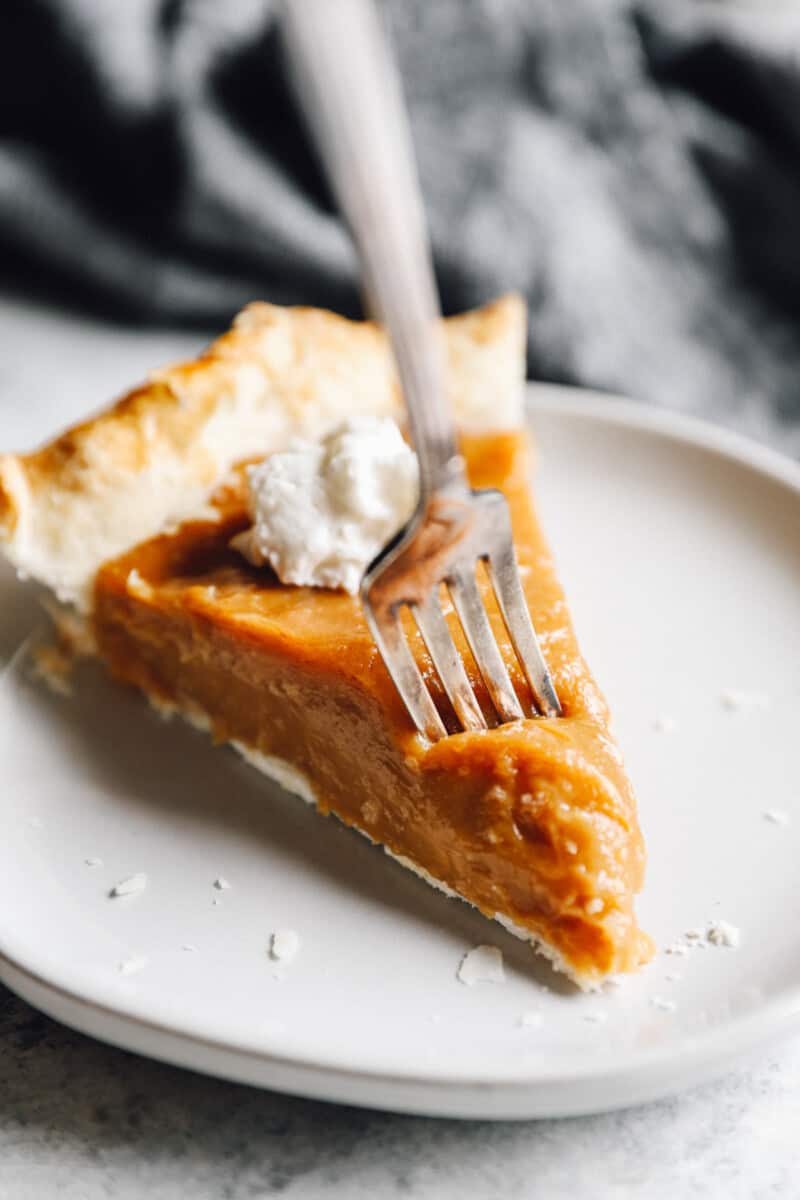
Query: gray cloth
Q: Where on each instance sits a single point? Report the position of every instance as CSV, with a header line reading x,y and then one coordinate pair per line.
x,y
634,169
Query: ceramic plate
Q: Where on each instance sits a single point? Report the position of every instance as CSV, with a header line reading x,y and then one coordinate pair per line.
x,y
679,548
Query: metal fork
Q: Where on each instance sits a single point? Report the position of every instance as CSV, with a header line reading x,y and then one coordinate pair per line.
x,y
350,91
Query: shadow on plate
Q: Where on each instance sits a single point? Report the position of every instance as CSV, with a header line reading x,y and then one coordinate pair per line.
x,y
142,762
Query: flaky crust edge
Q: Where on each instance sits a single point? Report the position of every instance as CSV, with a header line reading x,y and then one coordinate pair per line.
x,y
152,458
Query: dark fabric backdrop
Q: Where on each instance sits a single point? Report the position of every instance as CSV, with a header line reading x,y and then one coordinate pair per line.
x,y
634,168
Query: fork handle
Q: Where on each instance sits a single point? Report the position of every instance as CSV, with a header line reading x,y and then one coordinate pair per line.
x,y
350,92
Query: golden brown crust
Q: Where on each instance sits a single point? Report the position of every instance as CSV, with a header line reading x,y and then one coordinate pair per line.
x,y
153,458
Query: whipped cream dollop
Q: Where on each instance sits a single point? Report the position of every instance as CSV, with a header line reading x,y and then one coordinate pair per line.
x,y
322,510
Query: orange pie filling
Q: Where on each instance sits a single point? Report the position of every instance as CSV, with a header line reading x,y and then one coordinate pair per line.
x,y
533,822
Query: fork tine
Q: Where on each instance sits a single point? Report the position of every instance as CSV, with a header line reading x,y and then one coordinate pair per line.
x,y
391,641
485,651
511,600
447,660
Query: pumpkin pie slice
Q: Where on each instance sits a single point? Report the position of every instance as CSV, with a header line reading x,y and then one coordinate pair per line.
x,y
128,520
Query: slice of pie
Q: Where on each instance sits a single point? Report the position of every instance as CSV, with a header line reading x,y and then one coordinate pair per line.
x,y
128,519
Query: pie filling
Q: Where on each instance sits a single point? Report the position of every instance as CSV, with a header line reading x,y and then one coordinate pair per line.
x,y
533,822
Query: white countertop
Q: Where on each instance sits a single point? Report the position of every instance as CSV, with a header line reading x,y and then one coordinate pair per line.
x,y
82,1120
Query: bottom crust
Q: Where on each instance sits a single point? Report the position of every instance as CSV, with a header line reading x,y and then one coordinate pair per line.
x,y
287,776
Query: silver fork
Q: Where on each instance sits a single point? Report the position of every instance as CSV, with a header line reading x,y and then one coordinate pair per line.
x,y
350,91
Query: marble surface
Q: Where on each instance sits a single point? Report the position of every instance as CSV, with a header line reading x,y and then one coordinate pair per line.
x,y
84,1121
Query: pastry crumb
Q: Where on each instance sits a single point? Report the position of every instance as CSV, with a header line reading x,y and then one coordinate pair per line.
x,y
221,884
93,862
284,944
52,665
736,700
129,886
130,966
481,964
776,816
723,933
664,1005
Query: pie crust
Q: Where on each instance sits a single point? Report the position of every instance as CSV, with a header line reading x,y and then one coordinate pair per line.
x,y
153,458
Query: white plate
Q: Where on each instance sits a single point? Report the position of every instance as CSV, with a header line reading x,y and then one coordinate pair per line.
x,y
679,548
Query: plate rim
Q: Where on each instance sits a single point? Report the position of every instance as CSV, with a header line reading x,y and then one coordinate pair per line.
x,y
519,1093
